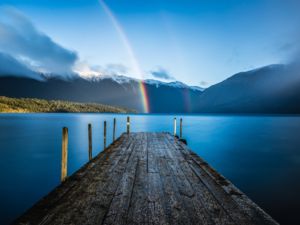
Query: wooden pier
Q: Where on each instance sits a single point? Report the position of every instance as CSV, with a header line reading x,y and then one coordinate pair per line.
x,y
146,178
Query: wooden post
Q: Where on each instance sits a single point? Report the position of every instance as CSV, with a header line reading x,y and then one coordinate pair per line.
x,y
175,126
114,130
104,134
64,155
128,124
180,135
90,141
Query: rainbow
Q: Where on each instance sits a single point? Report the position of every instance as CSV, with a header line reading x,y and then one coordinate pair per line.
x,y
133,60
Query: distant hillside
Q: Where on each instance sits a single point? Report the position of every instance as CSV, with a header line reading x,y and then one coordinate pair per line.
x,y
120,91
270,89
26,105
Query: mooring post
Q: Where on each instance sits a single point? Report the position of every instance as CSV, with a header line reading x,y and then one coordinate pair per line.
x,y
114,130
180,134
90,141
174,126
64,155
104,134
128,124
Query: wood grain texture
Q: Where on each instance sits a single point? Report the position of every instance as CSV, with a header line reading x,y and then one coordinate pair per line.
x,y
146,178
64,155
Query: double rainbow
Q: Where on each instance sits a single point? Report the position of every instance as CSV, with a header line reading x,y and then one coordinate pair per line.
x,y
134,62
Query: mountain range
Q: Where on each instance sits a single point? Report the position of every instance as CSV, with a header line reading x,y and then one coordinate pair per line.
x,y
111,90
270,89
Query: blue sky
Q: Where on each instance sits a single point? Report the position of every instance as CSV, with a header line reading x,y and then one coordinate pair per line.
x,y
196,42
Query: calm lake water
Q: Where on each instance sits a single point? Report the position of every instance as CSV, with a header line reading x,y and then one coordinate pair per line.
x,y
259,154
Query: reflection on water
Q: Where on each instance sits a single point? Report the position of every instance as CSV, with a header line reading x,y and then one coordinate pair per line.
x,y
259,154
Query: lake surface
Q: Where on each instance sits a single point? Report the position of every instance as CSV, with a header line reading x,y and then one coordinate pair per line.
x,y
259,154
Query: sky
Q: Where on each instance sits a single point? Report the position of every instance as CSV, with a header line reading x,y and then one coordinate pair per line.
x,y
198,42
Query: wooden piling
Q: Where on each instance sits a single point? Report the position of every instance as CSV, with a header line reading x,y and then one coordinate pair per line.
x,y
175,126
128,124
64,155
104,135
90,141
114,130
180,134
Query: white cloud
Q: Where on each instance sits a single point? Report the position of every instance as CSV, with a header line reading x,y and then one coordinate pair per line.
x,y
20,39
85,70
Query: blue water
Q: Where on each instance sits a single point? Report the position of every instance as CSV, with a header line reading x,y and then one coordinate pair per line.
x,y
259,154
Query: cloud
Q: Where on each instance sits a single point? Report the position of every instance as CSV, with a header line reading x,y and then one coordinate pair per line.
x,y
161,74
85,70
20,39
9,66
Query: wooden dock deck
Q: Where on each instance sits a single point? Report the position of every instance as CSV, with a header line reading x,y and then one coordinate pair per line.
x,y
146,178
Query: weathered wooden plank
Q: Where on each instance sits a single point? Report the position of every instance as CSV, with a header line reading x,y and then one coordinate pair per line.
x,y
196,209
175,210
118,209
237,204
224,200
239,211
200,202
100,196
151,157
88,205
138,209
204,198
146,178
52,204
157,211
157,208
